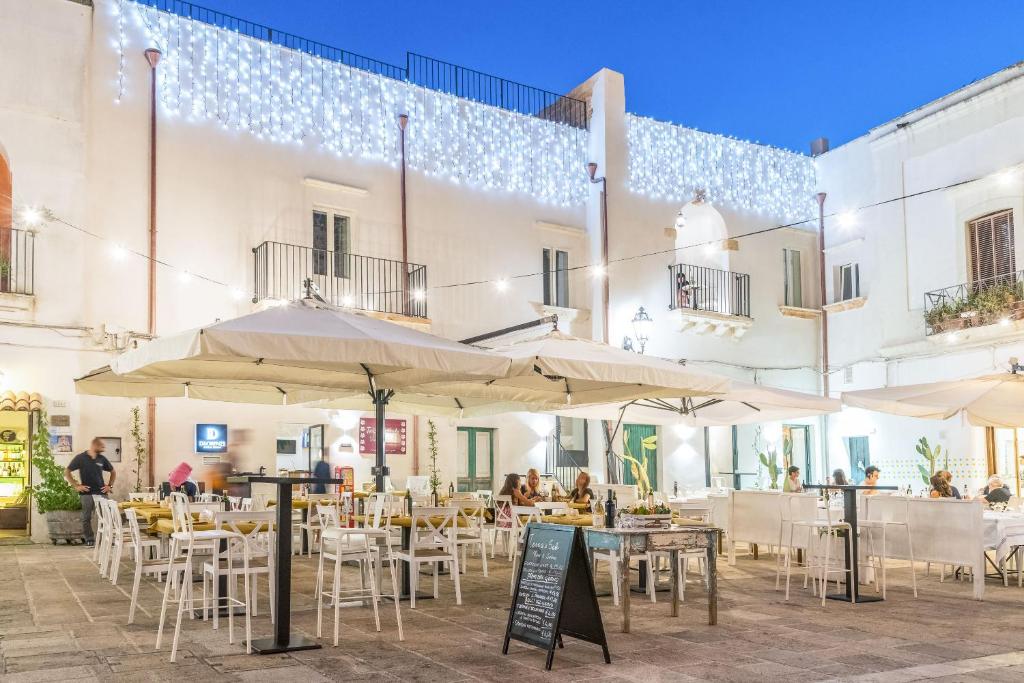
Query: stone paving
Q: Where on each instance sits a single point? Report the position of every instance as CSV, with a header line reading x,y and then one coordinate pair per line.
x,y
60,622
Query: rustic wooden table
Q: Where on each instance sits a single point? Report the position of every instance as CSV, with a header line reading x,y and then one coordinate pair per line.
x,y
627,542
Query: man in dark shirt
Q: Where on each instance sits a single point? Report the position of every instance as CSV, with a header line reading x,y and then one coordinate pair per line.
x,y
90,465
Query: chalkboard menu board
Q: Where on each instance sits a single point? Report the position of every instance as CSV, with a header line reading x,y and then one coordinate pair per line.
x,y
554,593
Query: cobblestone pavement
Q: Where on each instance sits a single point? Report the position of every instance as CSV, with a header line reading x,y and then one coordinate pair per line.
x,y
59,621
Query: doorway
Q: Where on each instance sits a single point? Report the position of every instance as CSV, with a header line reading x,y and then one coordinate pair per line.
x,y
860,457
641,441
314,442
476,459
798,438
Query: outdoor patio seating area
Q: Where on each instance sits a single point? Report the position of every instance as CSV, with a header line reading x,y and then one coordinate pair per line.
x,y
61,621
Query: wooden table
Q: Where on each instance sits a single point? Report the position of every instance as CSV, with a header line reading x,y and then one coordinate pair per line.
x,y
850,517
626,542
284,640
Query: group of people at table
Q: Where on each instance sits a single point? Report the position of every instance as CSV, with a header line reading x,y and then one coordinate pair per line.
x,y
995,491
531,492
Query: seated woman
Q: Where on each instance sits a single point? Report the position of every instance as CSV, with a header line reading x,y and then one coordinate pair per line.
x,y
839,478
996,491
940,487
514,490
532,490
948,476
582,492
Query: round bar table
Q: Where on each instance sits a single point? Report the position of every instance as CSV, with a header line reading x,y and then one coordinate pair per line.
x,y
284,640
852,593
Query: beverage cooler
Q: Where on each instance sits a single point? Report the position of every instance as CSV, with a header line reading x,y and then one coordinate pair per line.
x,y
15,470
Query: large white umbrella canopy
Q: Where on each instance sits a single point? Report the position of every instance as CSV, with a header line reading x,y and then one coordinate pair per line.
x,y
742,403
988,401
557,370
288,354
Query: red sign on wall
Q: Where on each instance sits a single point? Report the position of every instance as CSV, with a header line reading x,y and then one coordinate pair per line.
x,y
394,436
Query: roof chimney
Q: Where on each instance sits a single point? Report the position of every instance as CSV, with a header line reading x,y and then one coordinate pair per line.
x,y
819,146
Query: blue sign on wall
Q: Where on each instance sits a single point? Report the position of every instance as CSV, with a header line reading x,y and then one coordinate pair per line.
x,y
211,438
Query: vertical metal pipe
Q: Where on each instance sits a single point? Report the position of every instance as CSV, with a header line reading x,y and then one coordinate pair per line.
x,y
153,58
403,122
824,326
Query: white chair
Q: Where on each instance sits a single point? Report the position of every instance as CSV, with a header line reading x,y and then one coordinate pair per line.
x,y
504,526
471,532
256,547
432,541
821,532
102,537
144,496
791,507
882,513
157,566
259,502
246,505
120,539
343,544
186,538
486,495
522,515
235,503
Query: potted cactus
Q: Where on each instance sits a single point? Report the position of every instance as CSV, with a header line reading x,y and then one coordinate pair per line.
x,y
932,457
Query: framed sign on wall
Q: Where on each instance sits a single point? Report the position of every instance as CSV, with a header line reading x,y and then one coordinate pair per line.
x,y
394,436
211,438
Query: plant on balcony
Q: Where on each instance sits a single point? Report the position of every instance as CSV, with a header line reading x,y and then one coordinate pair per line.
x,y
932,456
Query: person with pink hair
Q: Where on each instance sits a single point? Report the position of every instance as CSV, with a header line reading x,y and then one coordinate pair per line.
x,y
180,479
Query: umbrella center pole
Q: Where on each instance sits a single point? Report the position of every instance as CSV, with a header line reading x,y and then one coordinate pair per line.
x,y
380,469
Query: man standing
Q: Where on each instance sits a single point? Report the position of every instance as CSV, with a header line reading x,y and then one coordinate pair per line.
x,y
90,465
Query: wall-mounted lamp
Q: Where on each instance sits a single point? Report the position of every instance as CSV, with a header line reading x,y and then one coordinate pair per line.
x,y
642,324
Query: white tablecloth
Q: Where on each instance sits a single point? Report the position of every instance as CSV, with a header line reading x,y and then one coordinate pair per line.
x,y
1003,531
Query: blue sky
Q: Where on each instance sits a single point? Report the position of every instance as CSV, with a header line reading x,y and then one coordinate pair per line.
x,y
777,72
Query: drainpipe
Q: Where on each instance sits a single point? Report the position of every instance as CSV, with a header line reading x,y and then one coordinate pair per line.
x,y
403,122
824,325
153,58
592,172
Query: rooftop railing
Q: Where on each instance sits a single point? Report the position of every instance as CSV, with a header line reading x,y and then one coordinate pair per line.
x,y
427,72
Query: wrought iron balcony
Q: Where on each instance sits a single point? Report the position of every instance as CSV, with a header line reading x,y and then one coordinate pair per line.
x,y
346,280
973,304
708,289
17,261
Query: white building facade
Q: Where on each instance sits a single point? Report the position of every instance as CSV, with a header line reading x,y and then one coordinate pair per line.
x,y
279,161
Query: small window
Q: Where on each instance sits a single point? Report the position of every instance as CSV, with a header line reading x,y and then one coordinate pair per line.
x,y
791,268
990,240
555,264
848,282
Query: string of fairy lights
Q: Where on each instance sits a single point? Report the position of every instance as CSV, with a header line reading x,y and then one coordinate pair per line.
x,y
32,217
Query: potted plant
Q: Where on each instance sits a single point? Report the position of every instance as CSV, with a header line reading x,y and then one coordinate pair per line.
x,y
642,516
932,456
54,496
770,460
435,476
138,437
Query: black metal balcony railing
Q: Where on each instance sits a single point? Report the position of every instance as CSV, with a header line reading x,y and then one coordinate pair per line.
x,y
709,289
420,70
17,261
972,304
342,279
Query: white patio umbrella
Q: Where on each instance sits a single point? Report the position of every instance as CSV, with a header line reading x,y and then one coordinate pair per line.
x,y
557,370
291,354
742,403
987,401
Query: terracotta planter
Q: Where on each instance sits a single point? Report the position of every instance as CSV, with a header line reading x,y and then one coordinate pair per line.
x,y
64,525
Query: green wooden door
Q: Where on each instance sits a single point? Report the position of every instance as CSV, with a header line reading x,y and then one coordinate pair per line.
x,y
476,459
641,441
